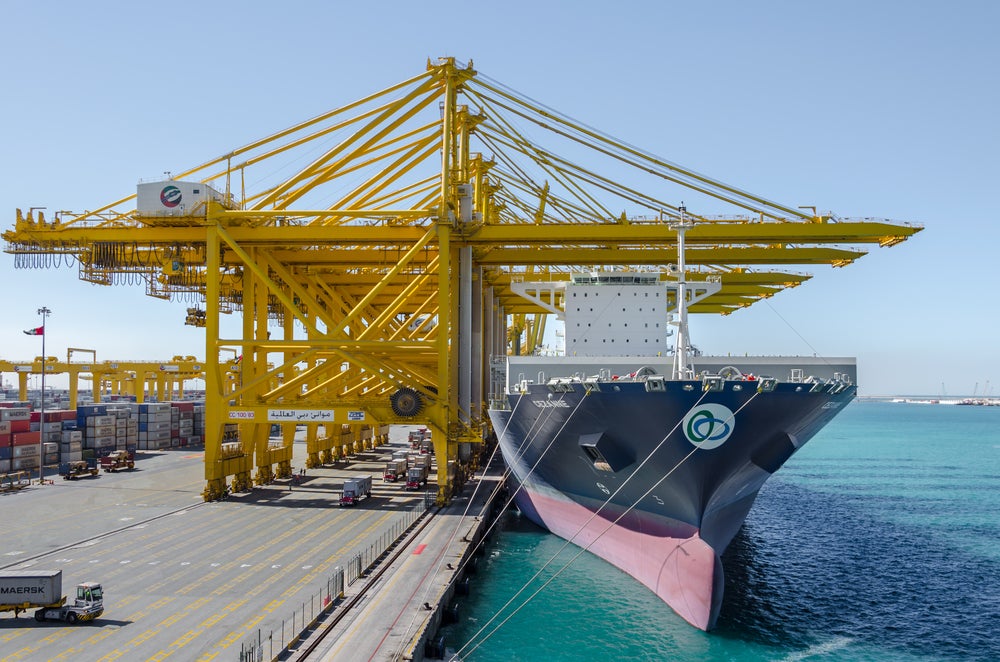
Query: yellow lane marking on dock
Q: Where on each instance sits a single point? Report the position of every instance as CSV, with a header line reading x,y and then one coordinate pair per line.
x,y
232,639
186,638
317,569
311,535
162,602
173,618
61,633
314,526
236,635
176,616
248,625
271,606
125,602
222,613
148,634
77,652
19,655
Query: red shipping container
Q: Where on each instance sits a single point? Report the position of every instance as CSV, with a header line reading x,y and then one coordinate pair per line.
x,y
27,438
19,426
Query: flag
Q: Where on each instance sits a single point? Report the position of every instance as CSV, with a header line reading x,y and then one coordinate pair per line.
x,y
36,332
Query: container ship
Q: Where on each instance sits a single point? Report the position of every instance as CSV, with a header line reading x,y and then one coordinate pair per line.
x,y
646,455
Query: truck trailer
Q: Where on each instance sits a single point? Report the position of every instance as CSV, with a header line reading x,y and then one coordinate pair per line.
x,y
394,470
21,590
416,460
356,489
416,477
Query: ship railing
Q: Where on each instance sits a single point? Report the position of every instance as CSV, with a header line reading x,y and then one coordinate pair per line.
x,y
560,385
655,383
499,404
842,377
767,384
712,383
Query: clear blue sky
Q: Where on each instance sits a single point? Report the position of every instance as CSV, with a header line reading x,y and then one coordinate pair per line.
x,y
883,109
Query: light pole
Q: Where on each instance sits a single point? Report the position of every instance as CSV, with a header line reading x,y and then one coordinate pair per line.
x,y
44,312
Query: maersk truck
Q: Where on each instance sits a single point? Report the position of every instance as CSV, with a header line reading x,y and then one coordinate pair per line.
x,y
21,590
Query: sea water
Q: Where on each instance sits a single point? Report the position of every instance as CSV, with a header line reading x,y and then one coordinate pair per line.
x,y
879,540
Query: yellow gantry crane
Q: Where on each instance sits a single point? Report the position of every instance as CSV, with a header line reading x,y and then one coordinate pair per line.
x,y
164,380
376,282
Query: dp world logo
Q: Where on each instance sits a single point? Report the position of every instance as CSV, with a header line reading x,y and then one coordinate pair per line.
x,y
708,426
170,196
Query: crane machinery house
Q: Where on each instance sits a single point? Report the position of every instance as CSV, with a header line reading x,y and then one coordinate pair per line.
x,y
175,198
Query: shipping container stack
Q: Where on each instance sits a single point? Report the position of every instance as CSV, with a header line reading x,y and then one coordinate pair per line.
x,y
154,425
51,432
182,423
18,444
199,423
126,427
71,440
94,430
98,430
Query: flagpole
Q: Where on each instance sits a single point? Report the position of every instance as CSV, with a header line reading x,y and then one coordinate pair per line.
x,y
44,312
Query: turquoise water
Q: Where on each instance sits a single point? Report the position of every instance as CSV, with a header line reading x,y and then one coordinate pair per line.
x,y
878,541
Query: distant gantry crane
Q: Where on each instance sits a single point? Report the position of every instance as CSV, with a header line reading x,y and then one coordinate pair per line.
x,y
376,281
162,380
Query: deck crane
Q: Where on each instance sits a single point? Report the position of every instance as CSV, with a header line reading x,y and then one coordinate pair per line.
x,y
422,202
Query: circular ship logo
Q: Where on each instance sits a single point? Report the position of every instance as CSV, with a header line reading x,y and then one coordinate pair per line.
x,y
708,426
170,196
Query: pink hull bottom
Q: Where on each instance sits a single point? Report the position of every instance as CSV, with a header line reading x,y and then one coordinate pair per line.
x,y
680,567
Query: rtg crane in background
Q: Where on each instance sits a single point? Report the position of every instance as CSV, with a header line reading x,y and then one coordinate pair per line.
x,y
160,380
376,282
